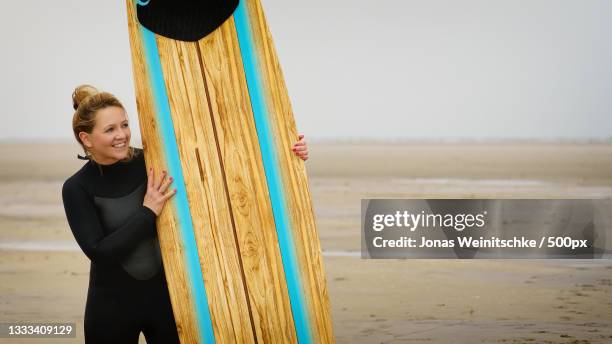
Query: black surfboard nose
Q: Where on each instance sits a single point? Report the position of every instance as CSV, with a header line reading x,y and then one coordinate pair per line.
x,y
184,20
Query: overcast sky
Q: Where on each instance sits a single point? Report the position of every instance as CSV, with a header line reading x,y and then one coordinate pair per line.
x,y
430,69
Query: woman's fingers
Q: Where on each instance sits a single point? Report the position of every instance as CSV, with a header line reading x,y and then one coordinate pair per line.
x,y
300,148
150,178
165,185
168,195
158,182
157,193
301,141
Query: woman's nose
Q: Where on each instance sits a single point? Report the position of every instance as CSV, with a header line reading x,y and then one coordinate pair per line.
x,y
122,134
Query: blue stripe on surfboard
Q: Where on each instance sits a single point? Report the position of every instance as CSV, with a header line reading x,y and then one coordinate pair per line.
x,y
273,177
185,224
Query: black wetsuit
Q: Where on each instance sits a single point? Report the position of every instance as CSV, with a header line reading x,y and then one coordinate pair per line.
x,y
127,286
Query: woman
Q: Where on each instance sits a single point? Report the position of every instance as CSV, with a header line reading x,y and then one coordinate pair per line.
x,y
111,204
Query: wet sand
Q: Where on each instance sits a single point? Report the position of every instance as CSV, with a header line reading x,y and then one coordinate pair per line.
x,y
44,275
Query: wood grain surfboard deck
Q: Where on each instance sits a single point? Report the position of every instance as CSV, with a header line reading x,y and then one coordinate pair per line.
x,y
239,240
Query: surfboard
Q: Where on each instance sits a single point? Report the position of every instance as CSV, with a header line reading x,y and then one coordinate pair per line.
x,y
239,240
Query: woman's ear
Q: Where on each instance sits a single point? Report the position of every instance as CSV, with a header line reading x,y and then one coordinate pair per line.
x,y
85,139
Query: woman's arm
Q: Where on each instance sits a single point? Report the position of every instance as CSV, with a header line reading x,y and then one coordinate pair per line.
x,y
87,229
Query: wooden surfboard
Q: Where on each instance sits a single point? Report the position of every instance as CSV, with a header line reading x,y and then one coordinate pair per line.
x,y
239,241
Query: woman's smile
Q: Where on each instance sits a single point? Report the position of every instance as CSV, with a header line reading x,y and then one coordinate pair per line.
x,y
109,140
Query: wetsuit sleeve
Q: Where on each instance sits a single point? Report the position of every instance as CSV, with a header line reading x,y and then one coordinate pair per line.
x,y
87,228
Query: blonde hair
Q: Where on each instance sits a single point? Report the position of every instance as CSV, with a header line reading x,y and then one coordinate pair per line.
x,y
87,101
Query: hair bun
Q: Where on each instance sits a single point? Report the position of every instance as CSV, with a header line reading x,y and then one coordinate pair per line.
x,y
81,93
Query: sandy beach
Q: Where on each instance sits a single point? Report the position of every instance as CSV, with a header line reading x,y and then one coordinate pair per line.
x,y
44,275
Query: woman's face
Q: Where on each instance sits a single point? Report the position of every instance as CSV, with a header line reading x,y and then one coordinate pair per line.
x,y
109,140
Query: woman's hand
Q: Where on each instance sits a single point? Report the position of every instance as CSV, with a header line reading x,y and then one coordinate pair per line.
x,y
156,195
300,148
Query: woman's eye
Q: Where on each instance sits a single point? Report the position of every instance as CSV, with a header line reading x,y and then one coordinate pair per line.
x,y
125,125
109,130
